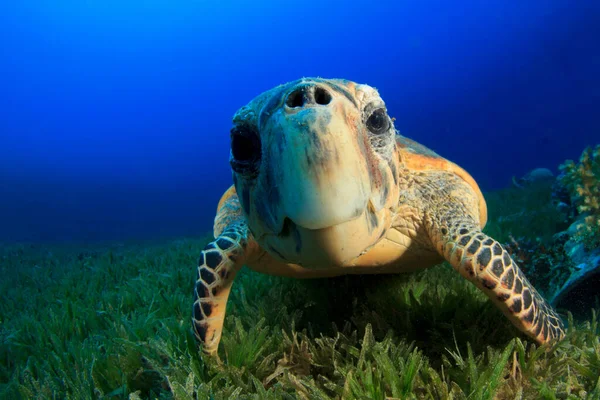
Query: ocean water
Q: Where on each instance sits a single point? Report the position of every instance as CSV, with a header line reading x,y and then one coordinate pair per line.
x,y
115,120
115,116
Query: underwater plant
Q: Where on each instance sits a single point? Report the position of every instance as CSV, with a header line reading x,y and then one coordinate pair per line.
x,y
553,231
114,325
547,264
582,180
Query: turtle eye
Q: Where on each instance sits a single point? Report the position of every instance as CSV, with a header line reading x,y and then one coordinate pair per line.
x,y
378,122
245,149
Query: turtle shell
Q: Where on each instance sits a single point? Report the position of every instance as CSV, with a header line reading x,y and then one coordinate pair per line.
x,y
417,157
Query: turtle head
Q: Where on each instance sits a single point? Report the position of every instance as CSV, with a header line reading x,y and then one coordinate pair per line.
x,y
315,168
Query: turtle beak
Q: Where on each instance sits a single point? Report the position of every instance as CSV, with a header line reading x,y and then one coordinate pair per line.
x,y
315,161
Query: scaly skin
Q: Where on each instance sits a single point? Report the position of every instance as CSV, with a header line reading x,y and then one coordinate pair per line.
x,y
321,192
484,262
219,262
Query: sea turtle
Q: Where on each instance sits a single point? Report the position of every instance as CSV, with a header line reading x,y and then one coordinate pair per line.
x,y
324,186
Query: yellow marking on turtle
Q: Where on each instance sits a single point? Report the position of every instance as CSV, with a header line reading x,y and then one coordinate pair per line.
x,y
421,162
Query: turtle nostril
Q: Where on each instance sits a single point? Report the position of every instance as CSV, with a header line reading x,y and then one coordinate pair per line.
x,y
322,96
296,99
308,95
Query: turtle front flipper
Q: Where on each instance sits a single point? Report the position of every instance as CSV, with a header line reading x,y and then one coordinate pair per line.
x,y
219,263
483,261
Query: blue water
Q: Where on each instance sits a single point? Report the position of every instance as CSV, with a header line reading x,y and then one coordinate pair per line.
x,y
115,115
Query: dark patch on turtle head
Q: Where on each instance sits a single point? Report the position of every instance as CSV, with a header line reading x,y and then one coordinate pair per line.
x,y
372,219
290,230
394,170
274,102
345,92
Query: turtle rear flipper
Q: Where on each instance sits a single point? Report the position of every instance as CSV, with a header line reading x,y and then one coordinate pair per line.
x,y
483,261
